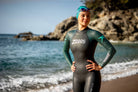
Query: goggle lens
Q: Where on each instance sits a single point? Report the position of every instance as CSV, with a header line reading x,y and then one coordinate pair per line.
x,y
83,9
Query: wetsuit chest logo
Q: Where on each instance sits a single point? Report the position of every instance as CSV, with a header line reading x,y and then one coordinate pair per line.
x,y
78,41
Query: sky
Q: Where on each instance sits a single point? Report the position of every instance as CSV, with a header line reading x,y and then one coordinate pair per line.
x,y
36,16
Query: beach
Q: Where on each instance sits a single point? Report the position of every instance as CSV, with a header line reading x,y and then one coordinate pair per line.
x,y
126,84
39,66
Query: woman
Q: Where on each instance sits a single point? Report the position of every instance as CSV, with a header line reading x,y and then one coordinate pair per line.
x,y
83,41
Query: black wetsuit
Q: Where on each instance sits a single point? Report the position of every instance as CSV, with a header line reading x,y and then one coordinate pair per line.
x,y
83,44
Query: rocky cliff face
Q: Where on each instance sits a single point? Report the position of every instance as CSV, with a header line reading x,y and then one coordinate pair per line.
x,y
62,28
120,25
59,33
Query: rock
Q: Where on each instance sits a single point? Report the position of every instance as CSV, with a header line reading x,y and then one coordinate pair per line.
x,y
24,39
112,35
114,17
24,35
17,36
126,33
137,26
131,28
62,28
41,36
120,25
136,15
35,38
135,36
126,40
131,38
101,24
117,22
102,14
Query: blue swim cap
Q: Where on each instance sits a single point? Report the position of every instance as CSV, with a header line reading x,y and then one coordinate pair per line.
x,y
81,8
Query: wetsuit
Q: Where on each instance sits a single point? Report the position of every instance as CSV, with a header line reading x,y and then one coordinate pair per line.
x,y
83,44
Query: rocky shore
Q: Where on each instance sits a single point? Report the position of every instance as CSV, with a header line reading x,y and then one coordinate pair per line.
x,y
121,25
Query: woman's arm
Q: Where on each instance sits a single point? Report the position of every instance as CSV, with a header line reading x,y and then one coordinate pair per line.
x,y
66,49
107,45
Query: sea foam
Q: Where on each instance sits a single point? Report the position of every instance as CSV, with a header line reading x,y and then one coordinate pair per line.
x,y
61,81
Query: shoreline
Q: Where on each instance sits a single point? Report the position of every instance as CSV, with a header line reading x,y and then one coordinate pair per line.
x,y
123,42
125,84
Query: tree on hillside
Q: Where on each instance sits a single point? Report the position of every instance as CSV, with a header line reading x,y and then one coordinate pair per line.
x,y
96,6
110,5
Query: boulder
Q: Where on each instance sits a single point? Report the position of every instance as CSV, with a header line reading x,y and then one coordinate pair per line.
x,y
62,28
24,35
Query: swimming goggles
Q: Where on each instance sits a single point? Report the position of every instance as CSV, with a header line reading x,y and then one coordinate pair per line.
x,y
84,9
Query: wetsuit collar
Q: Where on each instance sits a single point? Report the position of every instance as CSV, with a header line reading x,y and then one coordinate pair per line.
x,y
84,30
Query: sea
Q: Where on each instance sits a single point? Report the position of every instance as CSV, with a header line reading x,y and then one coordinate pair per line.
x,y
39,66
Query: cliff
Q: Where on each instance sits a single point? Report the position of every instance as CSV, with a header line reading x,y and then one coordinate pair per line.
x,y
120,25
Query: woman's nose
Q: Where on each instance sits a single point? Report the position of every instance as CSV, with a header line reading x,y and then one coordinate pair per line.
x,y
86,17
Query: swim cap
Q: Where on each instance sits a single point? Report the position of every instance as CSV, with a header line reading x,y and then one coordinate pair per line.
x,y
81,8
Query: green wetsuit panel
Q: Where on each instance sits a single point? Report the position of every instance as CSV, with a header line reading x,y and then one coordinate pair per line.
x,y
67,46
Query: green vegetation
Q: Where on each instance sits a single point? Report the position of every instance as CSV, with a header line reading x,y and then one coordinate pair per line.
x,y
108,6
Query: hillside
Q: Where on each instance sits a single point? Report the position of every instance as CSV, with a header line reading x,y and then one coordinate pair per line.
x,y
121,25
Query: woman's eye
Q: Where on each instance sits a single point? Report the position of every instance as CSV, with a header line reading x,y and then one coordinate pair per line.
x,y
88,16
83,15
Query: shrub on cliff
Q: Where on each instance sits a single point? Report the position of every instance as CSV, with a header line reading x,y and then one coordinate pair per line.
x,y
97,6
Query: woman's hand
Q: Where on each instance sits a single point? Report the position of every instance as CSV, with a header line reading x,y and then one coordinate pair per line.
x,y
93,66
73,67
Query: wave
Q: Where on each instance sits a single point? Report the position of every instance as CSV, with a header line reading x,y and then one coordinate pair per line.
x,y
119,70
61,81
125,42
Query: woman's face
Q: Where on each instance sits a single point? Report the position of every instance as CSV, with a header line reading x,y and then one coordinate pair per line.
x,y
84,18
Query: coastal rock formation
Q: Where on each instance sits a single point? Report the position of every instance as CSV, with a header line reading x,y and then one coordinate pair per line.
x,y
31,37
24,35
62,28
118,26
121,25
58,34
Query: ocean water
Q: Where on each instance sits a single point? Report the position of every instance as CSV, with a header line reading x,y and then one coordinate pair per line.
x,y
39,66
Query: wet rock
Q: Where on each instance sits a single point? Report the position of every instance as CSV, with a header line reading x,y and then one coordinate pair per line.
x,y
24,35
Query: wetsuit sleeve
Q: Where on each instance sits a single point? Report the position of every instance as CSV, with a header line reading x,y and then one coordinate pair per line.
x,y
66,49
107,45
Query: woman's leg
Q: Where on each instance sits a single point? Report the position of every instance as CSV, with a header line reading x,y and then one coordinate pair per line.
x,y
93,82
78,85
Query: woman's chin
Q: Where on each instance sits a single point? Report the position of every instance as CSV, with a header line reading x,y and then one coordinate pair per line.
x,y
85,25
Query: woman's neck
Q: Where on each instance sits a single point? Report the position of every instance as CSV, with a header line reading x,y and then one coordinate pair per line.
x,y
80,27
